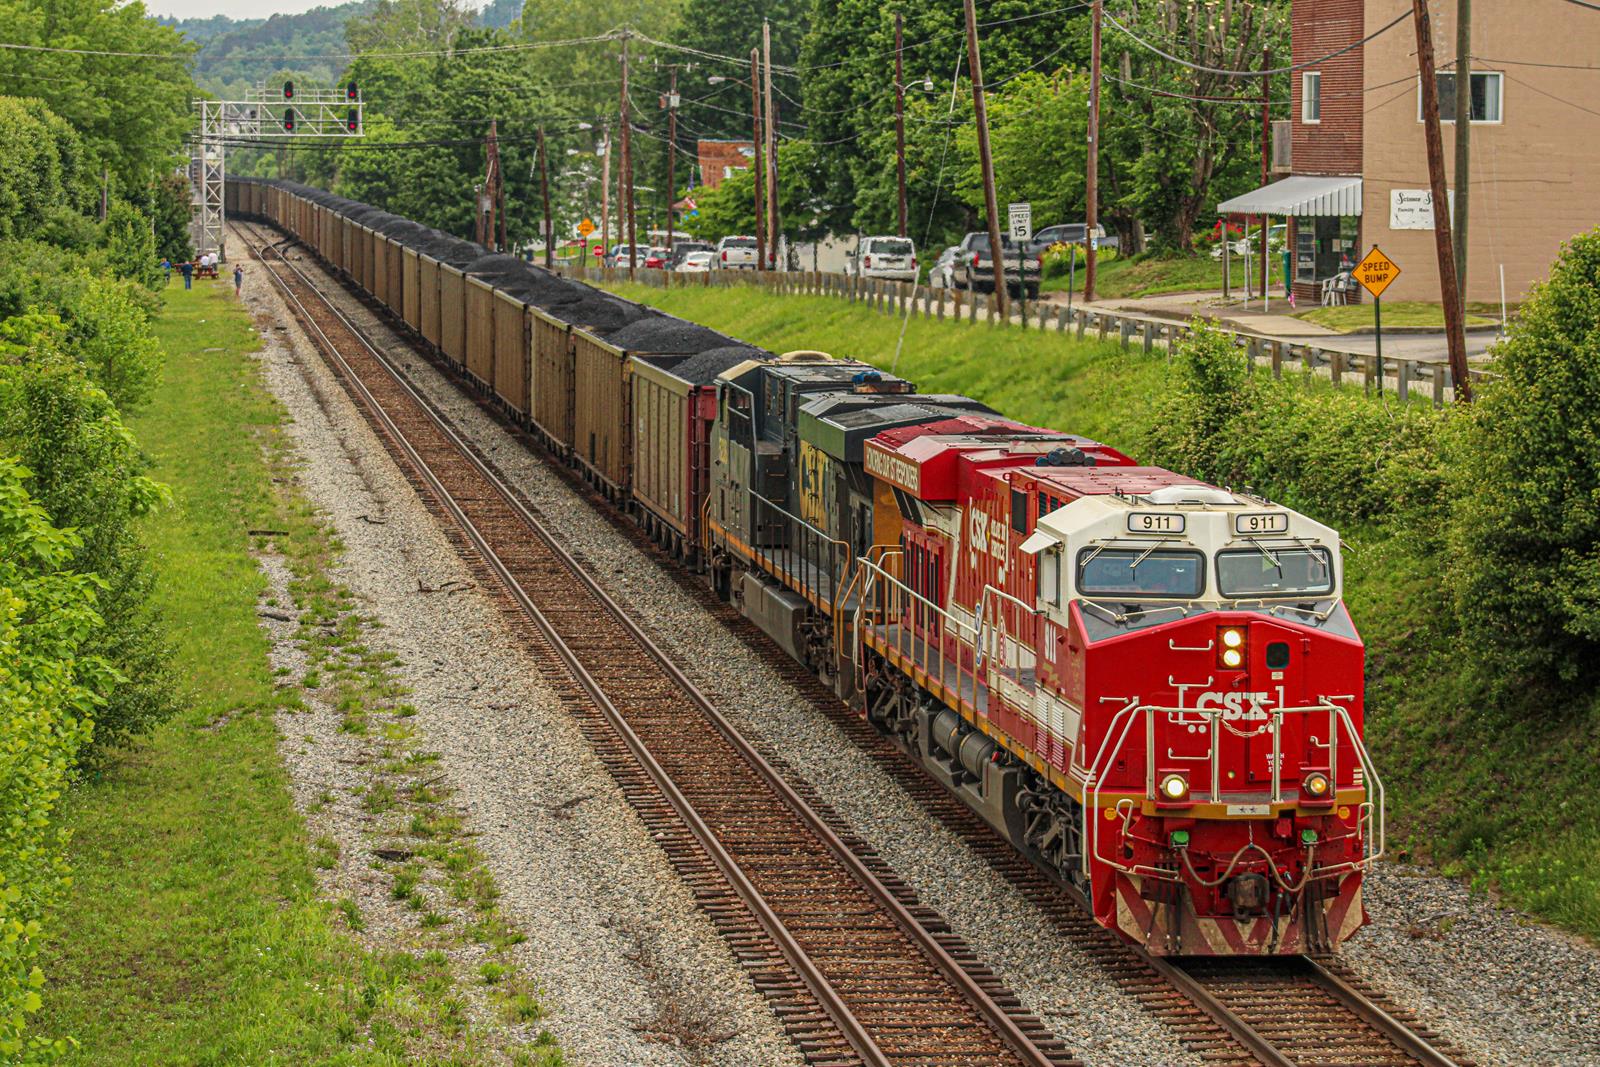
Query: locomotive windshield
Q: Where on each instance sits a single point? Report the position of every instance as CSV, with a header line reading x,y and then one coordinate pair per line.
x,y
1272,572
1141,572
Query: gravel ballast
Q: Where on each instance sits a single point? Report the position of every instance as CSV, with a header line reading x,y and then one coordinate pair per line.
x,y
632,971
1504,988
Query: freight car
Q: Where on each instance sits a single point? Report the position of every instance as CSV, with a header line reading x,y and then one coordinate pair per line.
x,y
1150,686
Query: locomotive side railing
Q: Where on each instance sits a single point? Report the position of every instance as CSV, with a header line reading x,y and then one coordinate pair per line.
x,y
1370,822
815,564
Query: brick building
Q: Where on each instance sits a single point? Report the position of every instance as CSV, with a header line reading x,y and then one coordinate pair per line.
x,y
719,159
1358,170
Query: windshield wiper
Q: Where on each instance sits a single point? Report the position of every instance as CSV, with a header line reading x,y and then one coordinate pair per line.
x,y
1259,547
1134,566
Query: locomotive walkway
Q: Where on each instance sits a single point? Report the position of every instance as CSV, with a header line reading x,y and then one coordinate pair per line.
x,y
858,971
855,967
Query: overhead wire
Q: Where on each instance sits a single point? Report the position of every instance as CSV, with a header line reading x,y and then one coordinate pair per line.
x,y
1229,73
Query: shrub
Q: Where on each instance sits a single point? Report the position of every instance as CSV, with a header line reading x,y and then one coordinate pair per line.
x,y
1331,453
49,690
1524,540
87,473
131,246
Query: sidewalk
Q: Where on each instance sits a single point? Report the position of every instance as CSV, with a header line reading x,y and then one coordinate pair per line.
x,y
1278,323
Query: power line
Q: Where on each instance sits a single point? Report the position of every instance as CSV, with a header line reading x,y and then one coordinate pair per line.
x,y
1224,72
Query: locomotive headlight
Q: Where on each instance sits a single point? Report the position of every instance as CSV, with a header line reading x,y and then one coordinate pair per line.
x,y
1232,638
1174,787
1317,785
1232,657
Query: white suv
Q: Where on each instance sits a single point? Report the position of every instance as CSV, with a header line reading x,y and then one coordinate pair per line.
x,y
893,258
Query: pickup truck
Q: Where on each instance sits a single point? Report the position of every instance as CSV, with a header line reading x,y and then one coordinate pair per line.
x,y
974,266
736,253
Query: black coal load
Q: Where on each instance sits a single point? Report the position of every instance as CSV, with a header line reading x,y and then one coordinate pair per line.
x,y
668,335
703,368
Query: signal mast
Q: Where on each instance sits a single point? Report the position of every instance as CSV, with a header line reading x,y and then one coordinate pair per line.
x,y
317,114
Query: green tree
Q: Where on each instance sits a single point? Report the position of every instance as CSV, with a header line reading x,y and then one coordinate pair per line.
x,y
131,245
131,111
1175,140
1524,468
171,212
30,169
49,689
88,474
1036,125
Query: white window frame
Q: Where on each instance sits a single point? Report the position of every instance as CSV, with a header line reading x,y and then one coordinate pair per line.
x,y
1500,98
1308,78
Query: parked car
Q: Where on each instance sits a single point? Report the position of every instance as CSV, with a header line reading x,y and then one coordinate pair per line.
x,y
942,274
891,258
618,256
682,249
700,261
974,266
736,253
655,258
1072,233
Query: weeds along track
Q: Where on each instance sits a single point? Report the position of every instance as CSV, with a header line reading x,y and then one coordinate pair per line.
x,y
1229,1012
858,971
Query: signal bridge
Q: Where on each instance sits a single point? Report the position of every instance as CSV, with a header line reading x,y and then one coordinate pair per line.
x,y
316,114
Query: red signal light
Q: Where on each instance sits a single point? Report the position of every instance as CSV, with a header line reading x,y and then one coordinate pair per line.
x,y
288,120
351,93
288,90
352,122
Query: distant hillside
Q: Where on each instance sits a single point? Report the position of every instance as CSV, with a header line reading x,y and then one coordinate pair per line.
x,y
237,53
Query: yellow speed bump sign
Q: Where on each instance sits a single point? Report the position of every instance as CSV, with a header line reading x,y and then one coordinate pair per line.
x,y
586,227
1376,271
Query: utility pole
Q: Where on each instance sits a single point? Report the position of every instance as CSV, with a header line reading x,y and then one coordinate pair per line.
x,y
757,167
491,185
605,195
900,115
1266,165
1091,179
544,194
626,177
1449,288
1463,138
672,152
773,226
105,191
997,251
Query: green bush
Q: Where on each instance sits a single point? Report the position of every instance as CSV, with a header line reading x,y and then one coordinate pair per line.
x,y
87,473
131,246
1524,463
1329,452
49,688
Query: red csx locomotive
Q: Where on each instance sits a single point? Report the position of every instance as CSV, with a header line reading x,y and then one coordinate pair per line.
x,y
1150,686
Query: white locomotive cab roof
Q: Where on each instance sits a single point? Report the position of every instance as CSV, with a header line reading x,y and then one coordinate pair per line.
x,y
1200,518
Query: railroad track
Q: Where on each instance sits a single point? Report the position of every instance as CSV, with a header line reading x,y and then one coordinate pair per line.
x,y
1229,1012
857,970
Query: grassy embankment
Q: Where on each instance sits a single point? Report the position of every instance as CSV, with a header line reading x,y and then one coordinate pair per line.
x,y
194,932
1123,279
1512,807
1410,314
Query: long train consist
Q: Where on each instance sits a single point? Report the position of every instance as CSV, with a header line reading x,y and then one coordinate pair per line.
x,y
1150,686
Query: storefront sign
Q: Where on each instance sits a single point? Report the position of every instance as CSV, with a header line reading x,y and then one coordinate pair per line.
x,y
1412,209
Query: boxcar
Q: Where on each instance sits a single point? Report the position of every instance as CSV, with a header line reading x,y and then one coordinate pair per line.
x,y
513,355
428,298
452,314
410,295
480,331
552,380
674,404
602,426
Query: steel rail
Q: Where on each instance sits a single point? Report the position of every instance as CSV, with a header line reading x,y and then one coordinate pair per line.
x,y
1201,997
1404,1038
850,1027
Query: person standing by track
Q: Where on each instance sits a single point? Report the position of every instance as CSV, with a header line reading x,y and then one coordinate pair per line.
x,y
188,273
238,279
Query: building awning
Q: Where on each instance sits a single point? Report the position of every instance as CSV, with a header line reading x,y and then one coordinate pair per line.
x,y
1299,194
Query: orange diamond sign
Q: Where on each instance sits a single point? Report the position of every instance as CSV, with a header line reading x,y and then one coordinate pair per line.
x,y
1376,271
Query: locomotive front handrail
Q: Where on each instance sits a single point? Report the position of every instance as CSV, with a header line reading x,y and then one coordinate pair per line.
x,y
1372,808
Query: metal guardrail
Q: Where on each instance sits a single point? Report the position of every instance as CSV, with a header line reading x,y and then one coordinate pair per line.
x,y
1127,328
